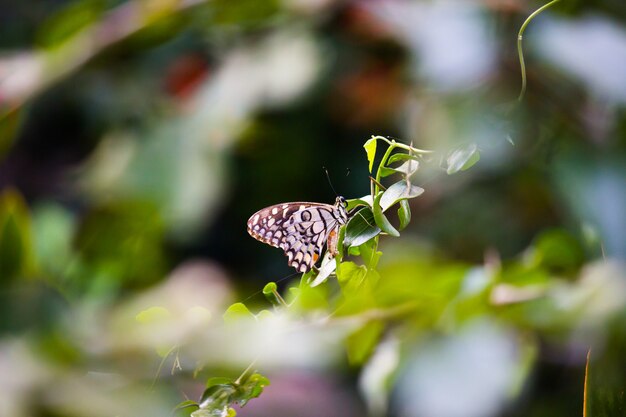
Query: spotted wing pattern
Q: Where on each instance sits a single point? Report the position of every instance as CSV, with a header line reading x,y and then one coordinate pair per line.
x,y
299,229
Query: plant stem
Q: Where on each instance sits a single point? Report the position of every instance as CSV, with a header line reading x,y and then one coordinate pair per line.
x,y
520,36
244,373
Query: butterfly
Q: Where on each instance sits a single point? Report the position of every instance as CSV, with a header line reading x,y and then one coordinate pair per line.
x,y
300,229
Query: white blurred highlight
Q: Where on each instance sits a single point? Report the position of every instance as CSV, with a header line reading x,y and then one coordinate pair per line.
x,y
466,375
450,39
592,49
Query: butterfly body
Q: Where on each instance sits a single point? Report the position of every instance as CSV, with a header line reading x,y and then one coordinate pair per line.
x,y
300,229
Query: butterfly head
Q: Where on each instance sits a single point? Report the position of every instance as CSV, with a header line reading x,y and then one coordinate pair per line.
x,y
341,202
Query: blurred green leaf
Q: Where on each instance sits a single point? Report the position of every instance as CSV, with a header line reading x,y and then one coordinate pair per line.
x,y
463,158
124,241
370,254
399,191
251,388
54,228
16,248
361,344
370,149
153,314
357,287
361,228
66,23
558,250
218,380
10,123
381,220
305,298
236,312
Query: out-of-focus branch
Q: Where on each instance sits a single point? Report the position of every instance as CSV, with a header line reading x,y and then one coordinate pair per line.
x,y
25,74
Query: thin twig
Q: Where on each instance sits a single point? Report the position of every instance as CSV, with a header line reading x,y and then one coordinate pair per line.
x,y
520,53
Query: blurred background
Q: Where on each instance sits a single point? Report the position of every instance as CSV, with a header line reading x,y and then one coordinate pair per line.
x,y
137,137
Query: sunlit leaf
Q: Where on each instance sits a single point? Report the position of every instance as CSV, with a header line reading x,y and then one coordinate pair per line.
x,y
307,298
370,254
270,291
399,191
237,312
153,315
385,171
462,158
363,201
370,149
361,228
381,220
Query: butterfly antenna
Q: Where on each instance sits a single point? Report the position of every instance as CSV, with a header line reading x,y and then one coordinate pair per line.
x,y
329,181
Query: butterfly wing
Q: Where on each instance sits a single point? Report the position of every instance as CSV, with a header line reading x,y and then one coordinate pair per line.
x,y
299,229
306,232
267,225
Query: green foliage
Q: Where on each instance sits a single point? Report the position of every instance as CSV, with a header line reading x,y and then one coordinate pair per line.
x,y
16,247
463,158
222,392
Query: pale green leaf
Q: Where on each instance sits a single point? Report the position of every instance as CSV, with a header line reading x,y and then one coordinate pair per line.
x,y
462,158
370,149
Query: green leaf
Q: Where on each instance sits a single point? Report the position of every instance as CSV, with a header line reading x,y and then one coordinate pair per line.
x,y
184,405
357,287
397,192
558,250
350,273
270,291
370,149
16,247
381,220
408,168
463,158
218,380
251,388
404,214
218,396
361,228
367,201
370,254
237,312
307,298
361,344
397,157
385,171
